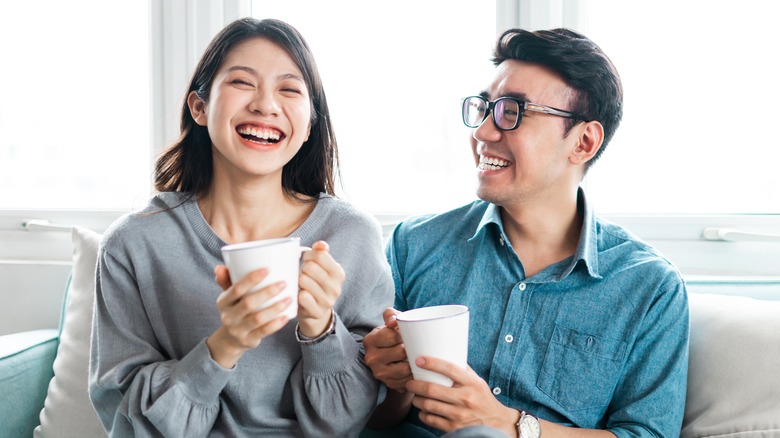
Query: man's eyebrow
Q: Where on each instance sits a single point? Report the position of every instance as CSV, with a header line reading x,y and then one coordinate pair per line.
x,y
252,71
520,96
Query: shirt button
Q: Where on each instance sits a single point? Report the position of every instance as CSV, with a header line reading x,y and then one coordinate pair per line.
x,y
509,338
496,390
521,286
501,240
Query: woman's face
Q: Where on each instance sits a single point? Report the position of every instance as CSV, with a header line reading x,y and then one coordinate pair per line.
x,y
258,114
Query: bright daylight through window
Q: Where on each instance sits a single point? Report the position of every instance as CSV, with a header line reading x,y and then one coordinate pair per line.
x,y
394,80
75,110
701,92
697,136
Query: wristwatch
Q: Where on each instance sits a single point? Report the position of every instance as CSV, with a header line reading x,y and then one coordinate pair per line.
x,y
528,426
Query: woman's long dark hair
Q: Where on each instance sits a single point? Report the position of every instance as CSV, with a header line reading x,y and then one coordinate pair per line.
x,y
187,165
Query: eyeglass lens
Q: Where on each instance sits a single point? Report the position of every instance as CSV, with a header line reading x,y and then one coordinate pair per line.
x,y
506,112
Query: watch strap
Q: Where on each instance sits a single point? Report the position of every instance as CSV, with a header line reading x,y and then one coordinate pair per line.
x,y
305,340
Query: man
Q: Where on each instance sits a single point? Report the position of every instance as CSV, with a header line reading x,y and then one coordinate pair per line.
x,y
577,327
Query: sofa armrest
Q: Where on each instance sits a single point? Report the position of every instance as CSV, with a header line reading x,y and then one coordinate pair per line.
x,y
26,361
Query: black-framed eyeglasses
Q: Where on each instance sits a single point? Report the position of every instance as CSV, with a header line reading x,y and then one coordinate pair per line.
x,y
507,111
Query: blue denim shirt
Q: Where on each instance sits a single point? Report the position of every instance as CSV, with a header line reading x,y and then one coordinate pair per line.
x,y
598,340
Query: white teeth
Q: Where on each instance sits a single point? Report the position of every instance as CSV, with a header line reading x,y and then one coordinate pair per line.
x,y
491,163
264,134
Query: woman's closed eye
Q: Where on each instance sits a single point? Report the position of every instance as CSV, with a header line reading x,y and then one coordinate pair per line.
x,y
291,90
241,82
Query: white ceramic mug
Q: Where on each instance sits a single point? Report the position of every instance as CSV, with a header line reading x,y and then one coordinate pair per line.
x,y
436,331
281,257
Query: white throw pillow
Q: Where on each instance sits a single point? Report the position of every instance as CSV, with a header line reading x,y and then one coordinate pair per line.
x,y
733,383
67,411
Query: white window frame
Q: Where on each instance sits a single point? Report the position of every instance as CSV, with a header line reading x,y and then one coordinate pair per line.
x,y
182,28
700,245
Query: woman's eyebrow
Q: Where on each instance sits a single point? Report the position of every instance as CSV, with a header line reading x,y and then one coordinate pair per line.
x,y
249,70
252,71
291,76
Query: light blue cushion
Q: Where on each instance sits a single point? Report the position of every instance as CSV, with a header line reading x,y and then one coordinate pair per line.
x,y
26,361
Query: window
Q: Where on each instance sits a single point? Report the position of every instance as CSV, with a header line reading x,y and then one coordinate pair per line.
x,y
75,109
394,73
701,107
691,166
76,112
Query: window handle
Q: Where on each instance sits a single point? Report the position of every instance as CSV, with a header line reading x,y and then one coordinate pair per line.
x,y
44,225
735,235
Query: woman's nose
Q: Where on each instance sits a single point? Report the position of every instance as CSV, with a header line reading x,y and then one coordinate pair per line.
x,y
264,103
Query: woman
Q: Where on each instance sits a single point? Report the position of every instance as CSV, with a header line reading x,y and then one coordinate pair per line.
x,y
256,159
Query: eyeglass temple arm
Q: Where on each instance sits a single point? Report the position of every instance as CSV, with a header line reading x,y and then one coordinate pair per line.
x,y
550,110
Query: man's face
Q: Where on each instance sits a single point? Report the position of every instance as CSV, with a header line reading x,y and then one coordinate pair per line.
x,y
531,162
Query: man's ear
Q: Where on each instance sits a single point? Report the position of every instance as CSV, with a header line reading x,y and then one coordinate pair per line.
x,y
589,141
197,108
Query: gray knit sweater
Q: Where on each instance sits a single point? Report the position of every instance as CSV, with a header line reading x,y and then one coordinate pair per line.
x,y
151,373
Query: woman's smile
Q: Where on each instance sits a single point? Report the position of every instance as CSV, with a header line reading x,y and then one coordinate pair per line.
x,y
260,135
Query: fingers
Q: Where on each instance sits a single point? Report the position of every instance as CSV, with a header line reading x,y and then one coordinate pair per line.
x,y
321,245
244,315
253,327
469,401
389,315
234,292
433,412
386,357
382,347
222,276
461,377
320,282
384,337
318,290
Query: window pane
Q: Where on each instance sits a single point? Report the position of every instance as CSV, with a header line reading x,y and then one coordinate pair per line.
x,y
74,116
699,134
394,73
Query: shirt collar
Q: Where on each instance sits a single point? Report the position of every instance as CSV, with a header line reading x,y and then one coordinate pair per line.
x,y
492,215
587,247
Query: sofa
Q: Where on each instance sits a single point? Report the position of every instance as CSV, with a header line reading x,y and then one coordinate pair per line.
x,y
733,379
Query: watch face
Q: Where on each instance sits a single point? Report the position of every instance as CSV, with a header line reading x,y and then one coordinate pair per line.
x,y
529,427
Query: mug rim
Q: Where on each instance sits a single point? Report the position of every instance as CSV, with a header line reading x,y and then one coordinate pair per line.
x,y
260,243
408,315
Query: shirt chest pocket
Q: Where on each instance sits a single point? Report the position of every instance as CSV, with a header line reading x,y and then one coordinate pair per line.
x,y
580,370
